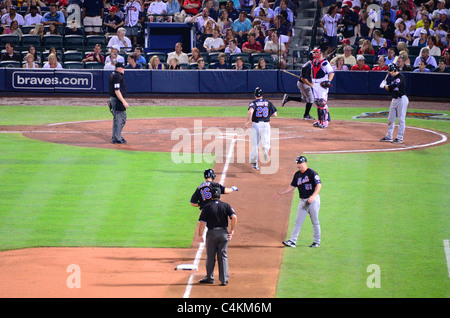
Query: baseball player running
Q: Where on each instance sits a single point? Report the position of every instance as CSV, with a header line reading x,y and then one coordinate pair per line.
x,y
305,86
322,75
308,183
259,112
203,194
399,103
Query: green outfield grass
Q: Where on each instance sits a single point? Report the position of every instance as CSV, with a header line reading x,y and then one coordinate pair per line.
x,y
388,209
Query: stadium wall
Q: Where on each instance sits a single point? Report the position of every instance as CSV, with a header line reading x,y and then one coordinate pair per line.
x,y
208,82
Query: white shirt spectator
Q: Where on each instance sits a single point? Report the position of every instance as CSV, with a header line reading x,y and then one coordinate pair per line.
x,y
116,41
132,9
331,23
213,43
182,58
30,20
157,7
6,19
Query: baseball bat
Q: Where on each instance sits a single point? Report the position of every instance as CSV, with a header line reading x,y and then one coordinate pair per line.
x,y
291,74
394,61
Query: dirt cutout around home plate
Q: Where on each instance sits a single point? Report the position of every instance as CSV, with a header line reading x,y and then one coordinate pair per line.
x,y
255,252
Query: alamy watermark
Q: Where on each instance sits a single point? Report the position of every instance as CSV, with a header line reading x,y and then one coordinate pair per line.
x,y
220,145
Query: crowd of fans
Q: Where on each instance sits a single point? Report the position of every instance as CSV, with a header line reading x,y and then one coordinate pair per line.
x,y
357,35
223,27
365,35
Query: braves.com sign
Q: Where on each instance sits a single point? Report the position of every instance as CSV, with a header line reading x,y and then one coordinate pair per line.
x,y
52,80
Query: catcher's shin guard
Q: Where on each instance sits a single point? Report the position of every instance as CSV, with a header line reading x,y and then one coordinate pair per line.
x,y
323,115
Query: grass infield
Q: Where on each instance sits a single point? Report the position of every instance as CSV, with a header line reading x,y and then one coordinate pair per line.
x,y
384,209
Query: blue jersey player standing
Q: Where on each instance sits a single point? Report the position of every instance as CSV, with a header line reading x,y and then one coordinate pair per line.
x,y
259,112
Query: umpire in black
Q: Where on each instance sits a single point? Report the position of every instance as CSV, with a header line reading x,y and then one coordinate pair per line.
x,y
117,94
215,216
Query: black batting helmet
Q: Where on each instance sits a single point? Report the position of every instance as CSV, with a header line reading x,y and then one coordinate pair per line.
x,y
301,159
209,173
258,92
392,67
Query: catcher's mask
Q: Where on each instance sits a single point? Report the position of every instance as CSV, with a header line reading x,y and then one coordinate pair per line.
x,y
209,173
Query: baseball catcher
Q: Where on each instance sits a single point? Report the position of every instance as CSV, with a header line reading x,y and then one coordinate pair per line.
x,y
322,75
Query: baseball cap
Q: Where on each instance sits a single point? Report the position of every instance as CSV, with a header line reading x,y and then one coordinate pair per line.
x,y
443,11
347,41
120,64
113,9
360,58
423,31
301,159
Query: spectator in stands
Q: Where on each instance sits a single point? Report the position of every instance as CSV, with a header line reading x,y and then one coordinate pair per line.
x,y
427,27
131,62
28,3
402,8
229,35
339,66
405,57
409,22
92,16
155,63
422,40
366,48
7,18
329,24
172,8
365,26
440,5
387,30
224,22
132,9
276,49
377,39
402,33
179,54
422,68
195,55
431,45
233,12
349,59
14,29
222,64
425,57
52,30
349,22
95,56
10,55
402,66
442,67
29,61
112,22
208,29
174,64
201,64
381,64
239,64
440,35
443,18
201,18
52,62
284,7
390,56
241,27
36,56
344,43
114,56
360,64
121,40
446,57
54,16
213,13
263,12
261,64
260,34
425,15
386,8
214,43
252,46
232,47
139,57
72,29
191,7
33,17
156,11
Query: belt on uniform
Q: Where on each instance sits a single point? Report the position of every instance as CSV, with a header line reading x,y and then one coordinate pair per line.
x,y
261,121
217,228
398,97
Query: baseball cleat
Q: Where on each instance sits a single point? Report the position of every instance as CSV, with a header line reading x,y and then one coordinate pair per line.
x,y
285,100
289,243
255,166
315,245
308,117
316,124
206,281
386,139
397,141
266,156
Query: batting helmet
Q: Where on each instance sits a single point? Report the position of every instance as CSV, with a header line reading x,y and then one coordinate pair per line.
x,y
209,173
392,67
300,159
258,92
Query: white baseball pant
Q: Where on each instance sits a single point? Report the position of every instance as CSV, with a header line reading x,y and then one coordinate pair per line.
x,y
260,133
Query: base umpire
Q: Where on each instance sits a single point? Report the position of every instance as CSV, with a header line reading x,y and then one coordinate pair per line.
x,y
118,104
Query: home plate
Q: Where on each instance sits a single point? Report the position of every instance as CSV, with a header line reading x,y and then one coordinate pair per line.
x,y
187,267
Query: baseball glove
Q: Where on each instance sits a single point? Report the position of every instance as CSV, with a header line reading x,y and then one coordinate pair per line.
x,y
326,84
110,106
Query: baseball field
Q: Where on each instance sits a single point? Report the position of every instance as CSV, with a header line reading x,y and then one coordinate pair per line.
x,y
119,215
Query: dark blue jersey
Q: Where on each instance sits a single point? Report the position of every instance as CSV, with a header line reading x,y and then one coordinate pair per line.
x,y
262,110
306,182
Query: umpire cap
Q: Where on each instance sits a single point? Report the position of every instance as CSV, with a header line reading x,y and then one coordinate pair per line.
x,y
258,92
209,173
300,159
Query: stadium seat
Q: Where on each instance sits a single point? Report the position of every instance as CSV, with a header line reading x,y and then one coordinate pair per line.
x,y
370,59
27,28
9,38
73,56
255,57
213,57
94,65
50,41
162,56
92,40
414,50
73,42
234,56
30,39
10,64
73,65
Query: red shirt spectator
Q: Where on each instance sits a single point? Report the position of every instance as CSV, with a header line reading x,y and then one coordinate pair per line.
x,y
360,64
192,6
